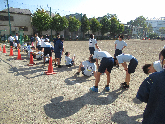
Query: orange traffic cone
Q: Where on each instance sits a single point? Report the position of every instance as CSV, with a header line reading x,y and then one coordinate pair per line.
x,y
50,68
4,50
11,51
0,49
19,55
31,63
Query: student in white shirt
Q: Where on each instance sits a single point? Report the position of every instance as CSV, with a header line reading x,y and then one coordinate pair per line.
x,y
17,40
106,65
10,39
88,67
151,68
68,61
38,42
92,44
119,45
122,59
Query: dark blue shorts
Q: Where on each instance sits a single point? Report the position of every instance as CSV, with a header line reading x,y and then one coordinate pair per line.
x,y
132,65
91,49
47,51
117,52
106,63
70,64
17,41
11,43
82,69
39,47
58,55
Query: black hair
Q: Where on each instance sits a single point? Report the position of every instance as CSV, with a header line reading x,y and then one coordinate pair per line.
x,y
32,47
121,36
28,44
10,35
163,54
114,62
91,36
62,38
37,34
145,68
58,34
93,60
66,53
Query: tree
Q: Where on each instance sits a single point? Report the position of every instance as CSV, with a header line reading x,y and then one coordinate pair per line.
x,y
74,24
41,20
94,25
85,24
120,28
114,26
59,23
150,28
162,30
105,25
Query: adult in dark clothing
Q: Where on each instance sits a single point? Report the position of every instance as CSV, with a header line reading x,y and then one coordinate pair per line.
x,y
54,41
152,92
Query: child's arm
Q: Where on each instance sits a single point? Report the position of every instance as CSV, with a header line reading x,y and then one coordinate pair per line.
x,y
115,46
123,47
124,65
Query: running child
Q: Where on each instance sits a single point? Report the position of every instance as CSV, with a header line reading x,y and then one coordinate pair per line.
x,y
119,45
68,61
151,68
122,59
38,42
106,65
88,67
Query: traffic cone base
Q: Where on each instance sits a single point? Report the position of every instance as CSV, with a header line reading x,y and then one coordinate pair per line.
x,y
19,55
50,68
4,50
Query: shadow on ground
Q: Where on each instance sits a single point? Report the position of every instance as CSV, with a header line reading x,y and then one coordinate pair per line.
x,y
58,109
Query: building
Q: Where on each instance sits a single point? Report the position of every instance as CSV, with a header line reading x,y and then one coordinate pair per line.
x,y
156,24
20,20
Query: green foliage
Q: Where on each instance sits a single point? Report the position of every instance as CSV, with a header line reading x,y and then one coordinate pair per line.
x,y
114,28
150,28
85,24
59,23
41,20
140,21
153,36
105,25
120,28
162,30
74,24
94,25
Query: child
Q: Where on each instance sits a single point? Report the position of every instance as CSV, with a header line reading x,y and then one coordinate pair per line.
x,y
54,41
152,92
10,39
122,59
106,65
88,68
31,50
68,61
16,40
92,44
59,49
119,45
151,68
38,42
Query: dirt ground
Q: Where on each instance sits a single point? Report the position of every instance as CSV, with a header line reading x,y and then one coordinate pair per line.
x,y
27,95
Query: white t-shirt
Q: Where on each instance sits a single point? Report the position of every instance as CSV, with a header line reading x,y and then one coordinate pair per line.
x,y
29,52
67,60
124,58
89,68
39,41
120,44
39,54
11,39
16,37
92,42
101,54
157,66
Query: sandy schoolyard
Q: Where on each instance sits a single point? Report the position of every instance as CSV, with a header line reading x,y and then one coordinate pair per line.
x,y
27,95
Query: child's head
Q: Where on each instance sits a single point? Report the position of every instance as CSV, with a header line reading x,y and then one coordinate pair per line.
x,y
121,36
91,36
147,68
115,61
92,60
67,53
162,58
33,48
28,44
62,39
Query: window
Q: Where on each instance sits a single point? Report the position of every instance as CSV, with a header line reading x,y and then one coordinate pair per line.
x,y
6,18
24,28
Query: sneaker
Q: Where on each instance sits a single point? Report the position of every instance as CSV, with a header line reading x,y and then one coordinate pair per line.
x,y
124,86
107,89
55,65
77,73
94,89
59,66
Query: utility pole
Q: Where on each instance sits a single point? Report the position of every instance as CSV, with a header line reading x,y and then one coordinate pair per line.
x,y
50,17
9,16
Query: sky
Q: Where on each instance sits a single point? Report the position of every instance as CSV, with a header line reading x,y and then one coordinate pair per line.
x,y
125,10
